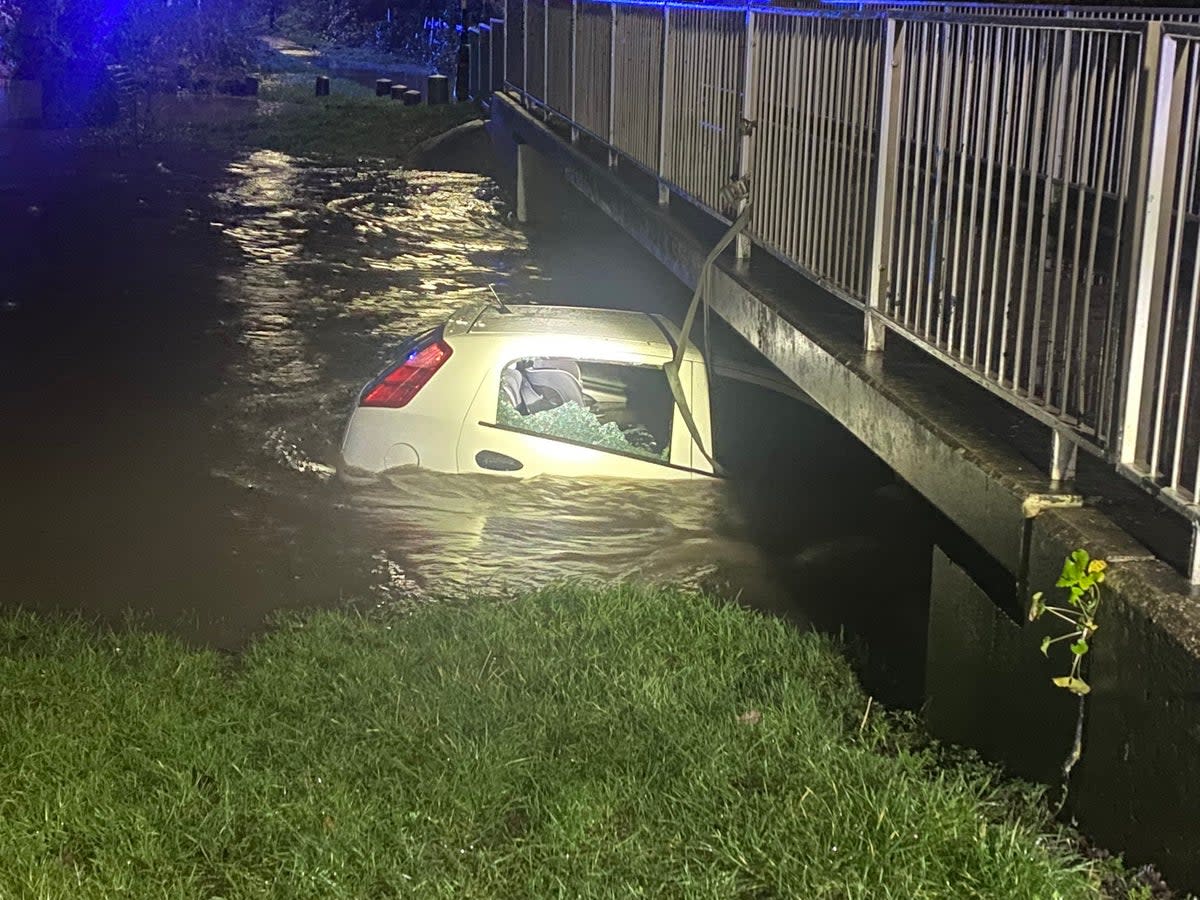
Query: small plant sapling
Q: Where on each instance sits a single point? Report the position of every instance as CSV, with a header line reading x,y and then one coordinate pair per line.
x,y
1082,577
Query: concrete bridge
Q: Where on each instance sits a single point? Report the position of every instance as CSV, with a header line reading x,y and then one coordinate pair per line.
x,y
975,241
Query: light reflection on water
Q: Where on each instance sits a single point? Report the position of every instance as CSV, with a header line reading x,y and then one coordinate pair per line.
x,y
337,264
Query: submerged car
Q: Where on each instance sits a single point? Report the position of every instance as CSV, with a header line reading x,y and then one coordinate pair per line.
x,y
533,390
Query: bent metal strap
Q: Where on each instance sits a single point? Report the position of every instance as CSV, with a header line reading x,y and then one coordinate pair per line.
x,y
701,293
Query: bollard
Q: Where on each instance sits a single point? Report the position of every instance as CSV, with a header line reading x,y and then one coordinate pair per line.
x,y
438,89
322,86
398,91
412,98
383,87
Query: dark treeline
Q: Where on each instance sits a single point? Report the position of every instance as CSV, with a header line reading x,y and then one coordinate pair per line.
x,y
157,38
41,38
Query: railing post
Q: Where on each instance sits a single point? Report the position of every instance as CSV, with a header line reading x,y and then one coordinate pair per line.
x,y
546,57
1155,185
891,82
574,76
525,51
1193,571
746,130
504,50
664,193
1064,454
612,85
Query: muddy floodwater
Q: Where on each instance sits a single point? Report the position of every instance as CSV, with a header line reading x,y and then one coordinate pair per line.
x,y
183,335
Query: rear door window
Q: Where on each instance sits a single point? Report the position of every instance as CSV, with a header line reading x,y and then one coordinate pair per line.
x,y
620,408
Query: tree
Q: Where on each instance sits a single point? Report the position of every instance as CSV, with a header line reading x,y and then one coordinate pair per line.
x,y
43,37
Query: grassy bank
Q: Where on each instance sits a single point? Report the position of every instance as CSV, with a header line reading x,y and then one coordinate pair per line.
x,y
569,744
349,125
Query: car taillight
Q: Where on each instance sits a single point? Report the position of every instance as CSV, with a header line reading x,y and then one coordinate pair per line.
x,y
401,384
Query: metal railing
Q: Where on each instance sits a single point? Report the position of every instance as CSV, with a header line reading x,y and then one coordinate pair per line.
x,y
1018,196
1010,191
1161,425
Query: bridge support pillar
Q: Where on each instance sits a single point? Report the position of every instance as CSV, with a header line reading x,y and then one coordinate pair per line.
x,y
537,187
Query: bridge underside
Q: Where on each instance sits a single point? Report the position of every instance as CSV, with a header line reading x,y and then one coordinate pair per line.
x,y
986,682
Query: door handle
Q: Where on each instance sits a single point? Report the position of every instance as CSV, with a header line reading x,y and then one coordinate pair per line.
x,y
497,462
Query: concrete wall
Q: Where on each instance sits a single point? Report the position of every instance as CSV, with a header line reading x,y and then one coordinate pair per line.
x,y
1137,787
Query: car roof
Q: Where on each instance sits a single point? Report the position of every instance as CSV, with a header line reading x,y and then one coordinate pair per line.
x,y
615,325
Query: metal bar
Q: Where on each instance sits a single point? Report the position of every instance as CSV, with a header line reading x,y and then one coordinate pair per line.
x,y
746,147
763,187
806,150
1068,175
1010,83
1155,218
664,194
825,147
1089,280
868,144
935,258
836,182
1038,111
1018,188
1168,242
1110,377
851,95
1052,180
1187,174
612,81
955,319
1085,165
891,78
912,233
792,212
981,142
574,69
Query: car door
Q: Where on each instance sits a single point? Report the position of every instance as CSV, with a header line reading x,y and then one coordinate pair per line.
x,y
577,416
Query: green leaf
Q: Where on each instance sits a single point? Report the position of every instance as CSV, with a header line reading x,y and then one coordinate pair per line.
x,y
1079,648
1074,685
1046,646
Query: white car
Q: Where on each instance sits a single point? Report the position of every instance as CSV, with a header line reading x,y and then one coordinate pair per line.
x,y
533,390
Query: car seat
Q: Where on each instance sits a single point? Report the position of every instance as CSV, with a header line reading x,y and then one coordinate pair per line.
x,y
557,381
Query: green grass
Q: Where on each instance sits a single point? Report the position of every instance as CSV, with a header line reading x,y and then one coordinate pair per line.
x,y
349,125
574,743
